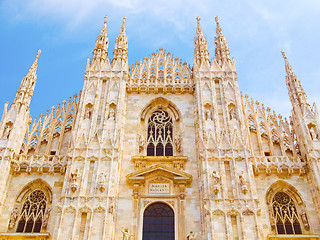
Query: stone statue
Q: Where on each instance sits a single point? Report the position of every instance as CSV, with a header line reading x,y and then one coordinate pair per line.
x,y
74,175
141,142
243,183
111,114
305,220
207,114
125,234
6,132
13,217
215,178
191,236
177,142
232,113
242,179
102,181
313,134
88,113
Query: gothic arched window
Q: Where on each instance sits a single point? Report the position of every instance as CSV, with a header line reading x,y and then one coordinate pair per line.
x,y
32,213
285,214
159,141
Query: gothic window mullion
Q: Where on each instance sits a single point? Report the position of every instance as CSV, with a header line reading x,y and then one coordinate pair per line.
x,y
285,214
160,139
32,212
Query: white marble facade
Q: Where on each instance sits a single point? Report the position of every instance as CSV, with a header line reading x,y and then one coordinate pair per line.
x,y
160,132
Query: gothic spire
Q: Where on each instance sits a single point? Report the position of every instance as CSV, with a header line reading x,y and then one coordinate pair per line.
x,y
100,52
201,53
120,53
222,51
25,91
296,93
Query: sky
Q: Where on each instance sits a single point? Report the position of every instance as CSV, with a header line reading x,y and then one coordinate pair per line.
x,y
66,31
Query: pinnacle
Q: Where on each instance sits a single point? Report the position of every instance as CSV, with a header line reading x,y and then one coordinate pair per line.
x,y
217,19
199,29
123,27
284,55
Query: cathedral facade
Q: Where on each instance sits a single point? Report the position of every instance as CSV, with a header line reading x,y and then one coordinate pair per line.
x,y
160,150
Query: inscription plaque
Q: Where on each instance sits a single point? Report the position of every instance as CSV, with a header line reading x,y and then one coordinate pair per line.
x,y
159,188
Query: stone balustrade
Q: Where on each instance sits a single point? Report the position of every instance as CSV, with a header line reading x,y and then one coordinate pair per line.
x,y
39,163
278,165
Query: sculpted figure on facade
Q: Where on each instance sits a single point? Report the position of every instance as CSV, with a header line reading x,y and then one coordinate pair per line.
x,y
177,142
304,219
111,116
216,179
313,133
102,181
209,113
111,203
232,113
7,131
74,177
13,217
243,183
88,112
141,142
191,236
125,234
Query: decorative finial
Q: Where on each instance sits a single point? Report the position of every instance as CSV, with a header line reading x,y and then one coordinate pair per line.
x,y
38,53
105,19
124,19
217,19
284,55
198,19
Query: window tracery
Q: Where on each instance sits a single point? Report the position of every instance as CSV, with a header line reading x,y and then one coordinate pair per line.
x,y
33,213
285,216
160,134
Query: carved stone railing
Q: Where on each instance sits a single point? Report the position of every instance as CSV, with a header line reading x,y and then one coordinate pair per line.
x,y
176,162
161,86
278,165
28,236
39,163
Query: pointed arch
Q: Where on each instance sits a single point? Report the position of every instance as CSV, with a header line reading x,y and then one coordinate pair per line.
x,y
283,186
160,133
286,209
32,207
38,183
163,103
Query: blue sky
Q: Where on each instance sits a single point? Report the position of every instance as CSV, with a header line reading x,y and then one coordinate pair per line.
x,y
66,30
